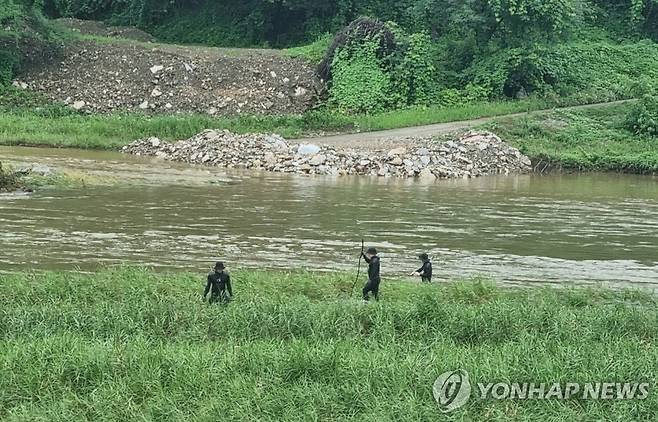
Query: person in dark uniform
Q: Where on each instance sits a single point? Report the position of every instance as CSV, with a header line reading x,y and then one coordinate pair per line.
x,y
372,286
425,272
219,285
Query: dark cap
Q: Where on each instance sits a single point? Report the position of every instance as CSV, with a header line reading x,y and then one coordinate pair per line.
x,y
424,257
219,265
372,251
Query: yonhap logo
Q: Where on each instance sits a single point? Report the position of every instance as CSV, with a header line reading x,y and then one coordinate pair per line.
x,y
452,390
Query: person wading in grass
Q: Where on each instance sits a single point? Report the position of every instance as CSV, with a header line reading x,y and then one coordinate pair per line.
x,y
372,286
425,272
219,285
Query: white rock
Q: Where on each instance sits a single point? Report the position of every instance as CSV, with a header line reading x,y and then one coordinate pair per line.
x,y
144,105
155,69
397,161
19,84
212,111
426,174
269,158
78,105
317,160
308,149
156,92
299,91
276,143
155,142
397,152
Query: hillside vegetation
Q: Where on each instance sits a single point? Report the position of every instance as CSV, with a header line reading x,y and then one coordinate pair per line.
x,y
412,53
132,344
423,52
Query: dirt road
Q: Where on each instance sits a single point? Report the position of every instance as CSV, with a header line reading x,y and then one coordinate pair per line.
x,y
393,137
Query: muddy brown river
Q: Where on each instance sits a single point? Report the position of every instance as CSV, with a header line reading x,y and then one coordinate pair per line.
x,y
582,229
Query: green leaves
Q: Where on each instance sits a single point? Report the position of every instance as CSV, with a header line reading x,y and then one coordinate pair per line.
x,y
359,83
521,21
643,117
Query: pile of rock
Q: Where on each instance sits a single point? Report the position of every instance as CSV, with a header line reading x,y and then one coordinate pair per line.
x,y
472,155
104,78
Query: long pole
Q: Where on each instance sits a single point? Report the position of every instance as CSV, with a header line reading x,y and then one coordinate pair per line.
x,y
358,269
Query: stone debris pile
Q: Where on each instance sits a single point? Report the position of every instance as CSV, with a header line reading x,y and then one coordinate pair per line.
x,y
162,79
473,154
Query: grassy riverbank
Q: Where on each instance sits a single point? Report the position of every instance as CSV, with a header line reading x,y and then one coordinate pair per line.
x,y
586,139
26,120
132,344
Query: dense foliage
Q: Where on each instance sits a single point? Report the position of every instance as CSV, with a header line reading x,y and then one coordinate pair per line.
x,y
22,29
643,117
278,22
10,18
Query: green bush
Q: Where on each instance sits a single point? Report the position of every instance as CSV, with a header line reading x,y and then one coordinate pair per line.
x,y
377,67
10,14
9,180
414,76
8,63
643,117
20,22
359,84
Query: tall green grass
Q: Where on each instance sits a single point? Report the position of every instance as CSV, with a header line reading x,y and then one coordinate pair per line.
x,y
586,139
131,344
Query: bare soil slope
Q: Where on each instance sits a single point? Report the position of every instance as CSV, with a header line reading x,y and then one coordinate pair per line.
x,y
123,75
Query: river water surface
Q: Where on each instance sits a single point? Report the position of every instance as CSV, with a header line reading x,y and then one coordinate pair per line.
x,y
583,229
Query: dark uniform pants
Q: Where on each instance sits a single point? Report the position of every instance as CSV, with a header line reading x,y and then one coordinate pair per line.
x,y
220,297
372,286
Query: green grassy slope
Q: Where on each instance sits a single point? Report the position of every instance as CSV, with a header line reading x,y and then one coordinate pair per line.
x,y
586,139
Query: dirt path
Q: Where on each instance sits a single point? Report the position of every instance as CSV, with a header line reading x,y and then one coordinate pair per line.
x,y
393,137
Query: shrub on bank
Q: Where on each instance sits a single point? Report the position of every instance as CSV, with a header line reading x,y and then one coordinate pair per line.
x,y
9,180
22,30
643,117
